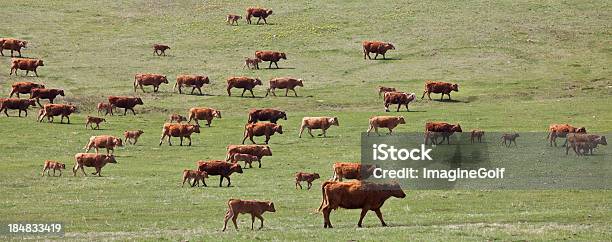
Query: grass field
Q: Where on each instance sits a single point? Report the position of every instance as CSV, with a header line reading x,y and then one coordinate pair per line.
x,y
521,65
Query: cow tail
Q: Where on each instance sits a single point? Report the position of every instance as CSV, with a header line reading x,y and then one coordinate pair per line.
x,y
174,88
323,201
135,83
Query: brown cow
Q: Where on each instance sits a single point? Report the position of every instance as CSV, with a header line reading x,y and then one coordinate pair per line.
x,y
286,83
107,107
261,129
25,64
439,87
271,56
43,93
266,114
399,98
243,82
260,13
51,110
232,19
149,80
193,81
383,90
195,177
584,143
94,120
103,141
159,49
178,130
445,129
132,135
203,114
561,130
12,45
322,123
376,47
92,160
389,122
24,88
251,63
16,103
255,208
256,150
176,117
127,103
247,158
307,177
350,170
476,135
219,168
355,195
508,139
53,165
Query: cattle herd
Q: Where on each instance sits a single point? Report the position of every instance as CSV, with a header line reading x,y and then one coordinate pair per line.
x,y
335,193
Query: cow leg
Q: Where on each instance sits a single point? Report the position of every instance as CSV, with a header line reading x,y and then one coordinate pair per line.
x,y
251,138
309,185
399,105
184,180
259,19
181,138
161,140
286,91
19,113
243,91
192,89
12,53
270,66
74,169
267,139
229,93
25,74
429,95
251,90
375,56
310,132
234,218
244,139
6,112
260,219
229,181
390,131
189,137
326,221
142,88
40,105
384,56
407,110
442,97
83,170
229,214
324,132
301,130
208,121
276,64
35,73
364,211
387,107
62,119
379,214
297,183
369,129
376,130
258,160
252,220
134,113
60,172
67,117
200,90
204,182
99,171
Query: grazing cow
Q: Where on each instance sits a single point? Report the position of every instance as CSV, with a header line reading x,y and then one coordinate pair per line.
x,y
322,123
193,81
376,47
107,107
12,45
24,88
103,141
439,87
255,208
476,135
176,117
53,165
219,168
286,83
232,19
132,135
561,130
195,177
52,110
247,158
266,114
350,170
43,93
127,103
25,64
203,114
307,177
389,122
16,103
260,13
178,130
94,120
444,129
256,150
357,194
508,139
251,63
584,143
243,82
399,98
92,160
261,129
383,90
149,80
271,56
159,49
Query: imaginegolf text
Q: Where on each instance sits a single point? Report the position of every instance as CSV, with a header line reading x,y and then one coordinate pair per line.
x,y
450,175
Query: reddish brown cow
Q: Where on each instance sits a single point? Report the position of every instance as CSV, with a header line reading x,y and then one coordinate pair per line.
x,y
192,81
43,93
132,135
159,49
583,144
322,123
255,208
149,80
266,114
271,56
94,120
92,160
219,168
16,103
383,90
127,103
256,150
286,83
357,195
261,129
389,122
232,19
247,158
561,130
107,107
53,165
203,114
178,130
439,87
307,177
24,88
243,82
350,170
260,13
176,118
12,45
103,141
52,110
195,176
444,129
399,98
376,47
25,64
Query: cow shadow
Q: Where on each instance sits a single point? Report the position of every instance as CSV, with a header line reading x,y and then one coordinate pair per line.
x,y
274,68
449,101
386,59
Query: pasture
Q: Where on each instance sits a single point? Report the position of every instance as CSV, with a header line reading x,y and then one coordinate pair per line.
x,y
521,65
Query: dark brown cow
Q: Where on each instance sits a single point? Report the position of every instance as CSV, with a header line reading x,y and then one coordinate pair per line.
x,y
350,170
94,120
508,139
12,45
476,135
256,150
52,110
243,82
399,98
203,114
159,49
178,130
260,13
376,47
195,176
24,88
271,56
53,165
232,19
107,107
266,114
307,177
92,160
255,208
261,129
193,81
219,168
383,90
444,129
25,64
103,141
16,103
561,130
322,123
132,135
286,83
439,87
154,80
389,122
127,103
43,93
357,195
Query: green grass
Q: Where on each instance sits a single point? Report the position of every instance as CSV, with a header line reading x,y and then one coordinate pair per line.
x,y
521,65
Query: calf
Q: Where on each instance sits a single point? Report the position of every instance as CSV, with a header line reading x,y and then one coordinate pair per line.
x,y
431,137
376,47
178,130
322,123
383,90
251,63
24,88
389,122
127,103
43,93
232,19
266,114
94,120
103,141
25,64
256,150
444,129
307,177
193,81
247,158
584,143
132,135
16,103
261,129
176,117
203,114
53,165
350,170
476,135
561,130
243,82
195,177
255,208
159,49
439,87
271,56
508,139
12,45
92,160
260,13
399,98
149,80
51,110
219,168
286,83
107,107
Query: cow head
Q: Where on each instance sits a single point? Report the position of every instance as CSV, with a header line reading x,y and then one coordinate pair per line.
x,y
32,102
581,130
139,101
455,87
389,46
457,128
110,159
72,108
283,56
266,150
396,190
195,128
217,113
236,168
269,12
23,44
316,176
38,85
61,165
40,63
300,82
283,115
401,119
602,140
334,121
61,93
258,81
270,207
205,80
278,129
140,132
164,78
118,142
